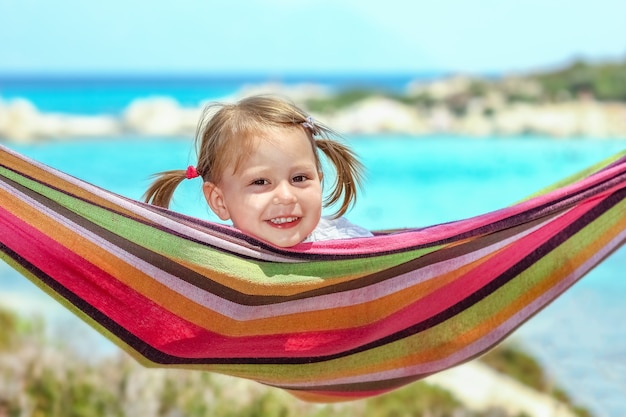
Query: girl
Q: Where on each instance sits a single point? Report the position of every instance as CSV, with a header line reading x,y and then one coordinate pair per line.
x,y
261,169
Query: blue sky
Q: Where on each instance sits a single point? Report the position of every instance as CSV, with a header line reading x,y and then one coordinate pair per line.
x,y
307,36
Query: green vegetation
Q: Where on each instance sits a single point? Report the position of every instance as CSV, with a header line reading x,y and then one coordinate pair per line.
x,y
600,81
8,324
603,81
512,361
347,98
519,365
340,100
39,380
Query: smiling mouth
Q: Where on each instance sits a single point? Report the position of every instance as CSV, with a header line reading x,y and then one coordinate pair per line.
x,y
283,220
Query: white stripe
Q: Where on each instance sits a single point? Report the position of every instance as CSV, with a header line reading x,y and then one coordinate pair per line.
x,y
485,342
247,313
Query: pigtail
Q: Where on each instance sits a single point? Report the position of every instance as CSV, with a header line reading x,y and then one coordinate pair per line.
x,y
162,189
349,174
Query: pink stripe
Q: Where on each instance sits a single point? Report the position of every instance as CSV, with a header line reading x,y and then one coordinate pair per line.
x,y
105,293
498,333
185,339
409,238
139,315
174,335
325,343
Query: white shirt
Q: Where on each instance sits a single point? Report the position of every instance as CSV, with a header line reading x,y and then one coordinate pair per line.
x,y
340,228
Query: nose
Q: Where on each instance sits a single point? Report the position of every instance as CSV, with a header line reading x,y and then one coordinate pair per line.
x,y
283,194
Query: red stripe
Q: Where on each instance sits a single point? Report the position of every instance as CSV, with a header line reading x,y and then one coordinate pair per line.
x,y
150,322
412,238
179,337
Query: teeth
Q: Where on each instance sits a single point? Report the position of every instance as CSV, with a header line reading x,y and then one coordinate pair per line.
x,y
282,220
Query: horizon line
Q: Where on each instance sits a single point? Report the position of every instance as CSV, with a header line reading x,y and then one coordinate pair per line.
x,y
223,75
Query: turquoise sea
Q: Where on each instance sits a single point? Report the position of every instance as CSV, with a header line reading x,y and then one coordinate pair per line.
x,y
411,182
89,95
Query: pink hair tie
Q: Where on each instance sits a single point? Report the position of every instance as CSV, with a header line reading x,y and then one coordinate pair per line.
x,y
191,172
309,124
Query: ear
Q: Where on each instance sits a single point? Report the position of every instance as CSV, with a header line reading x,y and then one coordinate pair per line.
x,y
215,198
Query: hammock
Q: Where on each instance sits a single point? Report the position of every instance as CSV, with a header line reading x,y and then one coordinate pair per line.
x,y
327,321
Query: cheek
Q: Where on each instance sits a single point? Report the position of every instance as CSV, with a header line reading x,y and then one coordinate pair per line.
x,y
314,200
246,208
319,193
254,201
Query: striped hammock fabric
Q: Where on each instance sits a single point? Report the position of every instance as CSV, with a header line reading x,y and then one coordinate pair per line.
x,y
328,321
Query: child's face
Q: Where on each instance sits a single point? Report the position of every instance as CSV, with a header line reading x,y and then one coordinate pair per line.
x,y
276,193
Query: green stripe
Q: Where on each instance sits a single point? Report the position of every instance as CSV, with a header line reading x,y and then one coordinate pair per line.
x,y
173,246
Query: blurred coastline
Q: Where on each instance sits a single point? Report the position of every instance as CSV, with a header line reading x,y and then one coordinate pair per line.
x,y
570,102
448,177
455,108
513,106
39,376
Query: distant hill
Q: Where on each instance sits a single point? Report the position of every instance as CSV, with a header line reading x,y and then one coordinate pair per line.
x,y
603,81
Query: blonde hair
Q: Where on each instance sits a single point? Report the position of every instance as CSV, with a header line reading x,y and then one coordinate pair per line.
x,y
225,136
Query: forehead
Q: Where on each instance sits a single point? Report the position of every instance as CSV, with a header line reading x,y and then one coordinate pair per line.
x,y
290,139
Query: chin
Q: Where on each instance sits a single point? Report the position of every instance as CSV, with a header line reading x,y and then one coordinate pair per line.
x,y
287,242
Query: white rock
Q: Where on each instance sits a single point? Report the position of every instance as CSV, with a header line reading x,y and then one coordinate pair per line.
x,y
19,120
297,92
481,388
377,114
154,116
91,126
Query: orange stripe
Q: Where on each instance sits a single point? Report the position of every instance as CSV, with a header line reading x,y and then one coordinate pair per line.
x,y
27,169
332,319
434,343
